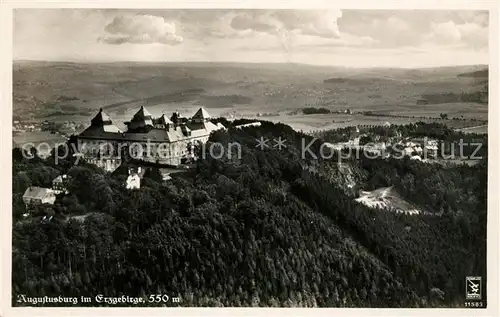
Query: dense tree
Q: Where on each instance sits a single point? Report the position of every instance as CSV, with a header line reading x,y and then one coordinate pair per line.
x,y
269,229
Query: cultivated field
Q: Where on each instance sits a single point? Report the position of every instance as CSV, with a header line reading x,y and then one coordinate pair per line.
x,y
35,138
476,129
71,91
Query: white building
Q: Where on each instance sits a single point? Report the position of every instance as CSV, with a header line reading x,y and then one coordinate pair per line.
x,y
59,184
133,181
38,196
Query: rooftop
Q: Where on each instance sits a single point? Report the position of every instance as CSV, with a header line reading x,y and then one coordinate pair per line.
x,y
60,178
191,129
201,114
101,118
35,192
164,120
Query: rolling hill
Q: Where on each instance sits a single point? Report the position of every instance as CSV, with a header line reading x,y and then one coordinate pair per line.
x,y
47,88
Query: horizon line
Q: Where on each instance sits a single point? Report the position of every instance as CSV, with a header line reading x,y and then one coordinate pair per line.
x,y
245,63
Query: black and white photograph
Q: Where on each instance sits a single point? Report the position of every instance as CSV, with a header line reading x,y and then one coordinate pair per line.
x,y
239,157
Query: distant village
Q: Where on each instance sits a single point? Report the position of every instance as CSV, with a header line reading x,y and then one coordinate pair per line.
x,y
421,149
65,129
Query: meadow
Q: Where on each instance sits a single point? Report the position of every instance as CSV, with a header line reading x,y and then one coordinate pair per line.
x,y
59,91
36,138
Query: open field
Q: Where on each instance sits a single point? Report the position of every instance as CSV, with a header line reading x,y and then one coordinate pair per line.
x,y
387,198
482,129
454,109
59,91
308,123
76,86
35,138
299,121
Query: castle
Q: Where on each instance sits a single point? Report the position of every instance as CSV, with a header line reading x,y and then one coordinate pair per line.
x,y
161,140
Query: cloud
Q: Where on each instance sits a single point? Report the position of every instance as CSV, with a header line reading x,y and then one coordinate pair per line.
x,y
307,36
469,34
307,22
417,28
390,32
288,28
141,29
446,32
255,22
475,17
323,25
222,27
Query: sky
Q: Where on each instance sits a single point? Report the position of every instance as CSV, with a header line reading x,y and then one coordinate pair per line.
x,y
353,38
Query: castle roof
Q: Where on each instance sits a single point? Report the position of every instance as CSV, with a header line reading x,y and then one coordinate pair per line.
x,y
140,119
142,114
198,127
201,114
164,120
101,118
102,122
156,135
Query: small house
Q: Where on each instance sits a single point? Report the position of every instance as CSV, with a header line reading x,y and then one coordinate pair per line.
x,y
59,184
135,174
38,196
133,181
165,174
408,151
422,101
139,170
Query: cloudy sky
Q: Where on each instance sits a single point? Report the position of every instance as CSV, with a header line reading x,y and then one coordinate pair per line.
x,y
355,38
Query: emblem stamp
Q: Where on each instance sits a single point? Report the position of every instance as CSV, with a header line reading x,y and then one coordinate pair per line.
x,y
473,287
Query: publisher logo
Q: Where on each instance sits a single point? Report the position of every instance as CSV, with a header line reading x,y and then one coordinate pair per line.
x,y
473,287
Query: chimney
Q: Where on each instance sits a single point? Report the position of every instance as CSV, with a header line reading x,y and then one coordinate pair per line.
x,y
175,118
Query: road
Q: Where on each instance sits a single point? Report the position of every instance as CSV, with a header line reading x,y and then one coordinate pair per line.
x,y
470,128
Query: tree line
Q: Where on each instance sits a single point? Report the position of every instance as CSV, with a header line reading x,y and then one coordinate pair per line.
x,y
269,229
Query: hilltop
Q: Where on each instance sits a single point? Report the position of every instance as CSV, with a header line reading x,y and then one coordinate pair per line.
x,y
266,229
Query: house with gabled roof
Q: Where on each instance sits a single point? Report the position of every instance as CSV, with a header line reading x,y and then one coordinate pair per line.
x,y
38,196
59,184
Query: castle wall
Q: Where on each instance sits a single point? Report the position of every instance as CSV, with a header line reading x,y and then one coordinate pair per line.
x,y
107,153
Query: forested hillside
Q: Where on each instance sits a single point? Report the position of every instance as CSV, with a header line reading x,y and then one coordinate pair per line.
x,y
269,229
